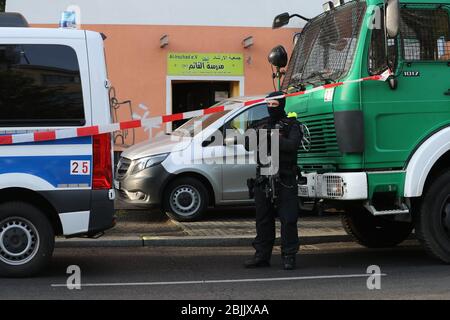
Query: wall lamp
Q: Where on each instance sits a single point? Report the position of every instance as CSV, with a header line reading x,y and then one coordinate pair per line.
x,y
248,42
164,41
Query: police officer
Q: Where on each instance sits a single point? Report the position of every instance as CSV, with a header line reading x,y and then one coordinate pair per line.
x,y
285,206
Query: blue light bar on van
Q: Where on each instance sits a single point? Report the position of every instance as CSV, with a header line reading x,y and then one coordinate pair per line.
x,y
68,20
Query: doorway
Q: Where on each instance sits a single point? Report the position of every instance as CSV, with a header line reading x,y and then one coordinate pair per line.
x,y
190,95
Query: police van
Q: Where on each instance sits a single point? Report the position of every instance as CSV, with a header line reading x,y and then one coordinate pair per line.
x,y
51,79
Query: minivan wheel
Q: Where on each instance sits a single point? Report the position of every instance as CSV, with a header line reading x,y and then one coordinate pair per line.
x,y
433,218
186,199
26,240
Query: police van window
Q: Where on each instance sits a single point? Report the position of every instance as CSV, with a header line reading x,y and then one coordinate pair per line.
x,y
40,85
248,118
257,113
377,53
425,34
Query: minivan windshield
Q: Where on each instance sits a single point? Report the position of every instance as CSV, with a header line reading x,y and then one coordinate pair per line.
x,y
197,124
325,49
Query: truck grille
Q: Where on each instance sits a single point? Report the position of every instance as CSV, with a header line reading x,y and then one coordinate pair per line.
x,y
323,137
122,167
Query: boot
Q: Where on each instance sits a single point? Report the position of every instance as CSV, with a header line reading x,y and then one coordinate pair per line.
x,y
289,262
256,262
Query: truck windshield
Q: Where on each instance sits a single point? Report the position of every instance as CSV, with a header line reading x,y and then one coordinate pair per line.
x,y
325,49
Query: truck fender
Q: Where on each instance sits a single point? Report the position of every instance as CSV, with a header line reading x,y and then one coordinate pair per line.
x,y
423,160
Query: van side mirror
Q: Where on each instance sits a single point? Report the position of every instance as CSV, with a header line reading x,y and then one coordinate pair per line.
x,y
208,141
392,18
281,20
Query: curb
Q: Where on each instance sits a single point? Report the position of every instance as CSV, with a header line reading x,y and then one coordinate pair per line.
x,y
99,243
148,241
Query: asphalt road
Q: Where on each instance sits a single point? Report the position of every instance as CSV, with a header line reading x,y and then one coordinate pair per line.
x,y
328,271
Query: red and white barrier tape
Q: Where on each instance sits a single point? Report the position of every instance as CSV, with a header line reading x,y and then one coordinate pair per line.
x,y
133,124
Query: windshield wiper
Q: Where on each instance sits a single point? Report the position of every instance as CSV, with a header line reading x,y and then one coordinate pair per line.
x,y
321,76
300,85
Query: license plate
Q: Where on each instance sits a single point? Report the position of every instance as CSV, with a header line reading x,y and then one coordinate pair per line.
x,y
116,184
303,191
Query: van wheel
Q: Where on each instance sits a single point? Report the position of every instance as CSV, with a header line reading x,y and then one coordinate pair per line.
x,y
26,240
433,218
186,199
374,232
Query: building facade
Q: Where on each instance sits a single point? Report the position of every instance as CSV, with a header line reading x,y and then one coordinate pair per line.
x,y
174,56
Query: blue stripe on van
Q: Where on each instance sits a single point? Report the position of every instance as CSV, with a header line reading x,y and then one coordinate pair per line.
x,y
54,169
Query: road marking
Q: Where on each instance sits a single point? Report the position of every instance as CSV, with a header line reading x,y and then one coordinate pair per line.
x,y
132,284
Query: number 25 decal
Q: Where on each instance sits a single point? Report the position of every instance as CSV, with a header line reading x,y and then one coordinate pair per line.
x,y
80,168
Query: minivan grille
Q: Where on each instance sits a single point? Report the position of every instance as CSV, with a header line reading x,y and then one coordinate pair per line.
x,y
122,167
323,136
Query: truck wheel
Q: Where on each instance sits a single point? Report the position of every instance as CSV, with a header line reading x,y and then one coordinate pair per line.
x,y
375,232
186,199
26,240
433,218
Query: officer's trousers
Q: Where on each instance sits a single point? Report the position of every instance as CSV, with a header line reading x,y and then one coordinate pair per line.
x,y
286,208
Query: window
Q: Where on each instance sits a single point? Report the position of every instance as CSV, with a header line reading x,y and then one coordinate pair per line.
x,y
425,34
257,114
40,85
377,52
248,118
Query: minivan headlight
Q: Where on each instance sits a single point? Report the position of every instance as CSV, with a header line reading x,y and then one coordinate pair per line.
x,y
148,162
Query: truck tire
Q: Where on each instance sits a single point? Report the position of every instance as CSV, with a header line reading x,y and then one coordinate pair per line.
x,y
374,232
26,240
186,199
433,218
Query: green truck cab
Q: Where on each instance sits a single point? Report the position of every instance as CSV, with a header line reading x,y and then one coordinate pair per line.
x,y
378,150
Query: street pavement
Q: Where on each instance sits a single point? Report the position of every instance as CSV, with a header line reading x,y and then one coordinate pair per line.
x,y
325,271
223,226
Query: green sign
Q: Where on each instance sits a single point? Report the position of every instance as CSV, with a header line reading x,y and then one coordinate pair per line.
x,y
205,64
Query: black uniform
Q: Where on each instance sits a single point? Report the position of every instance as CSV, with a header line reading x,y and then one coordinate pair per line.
x,y
285,205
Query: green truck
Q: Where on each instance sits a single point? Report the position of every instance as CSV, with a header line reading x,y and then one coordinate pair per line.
x,y
380,151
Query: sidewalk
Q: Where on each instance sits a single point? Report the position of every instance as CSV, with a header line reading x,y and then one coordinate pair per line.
x,y
221,227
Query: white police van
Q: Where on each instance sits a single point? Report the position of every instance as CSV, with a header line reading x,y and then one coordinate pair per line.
x,y
51,79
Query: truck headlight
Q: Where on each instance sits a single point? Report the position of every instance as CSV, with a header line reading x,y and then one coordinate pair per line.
x,y
148,162
335,186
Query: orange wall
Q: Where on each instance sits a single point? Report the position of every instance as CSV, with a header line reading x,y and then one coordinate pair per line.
x,y
137,66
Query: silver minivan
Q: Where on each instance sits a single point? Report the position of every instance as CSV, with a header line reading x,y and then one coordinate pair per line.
x,y
188,170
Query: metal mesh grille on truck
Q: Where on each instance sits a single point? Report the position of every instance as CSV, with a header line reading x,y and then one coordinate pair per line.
x,y
326,47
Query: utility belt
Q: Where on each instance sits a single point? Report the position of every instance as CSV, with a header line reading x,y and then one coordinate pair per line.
x,y
271,184
292,170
